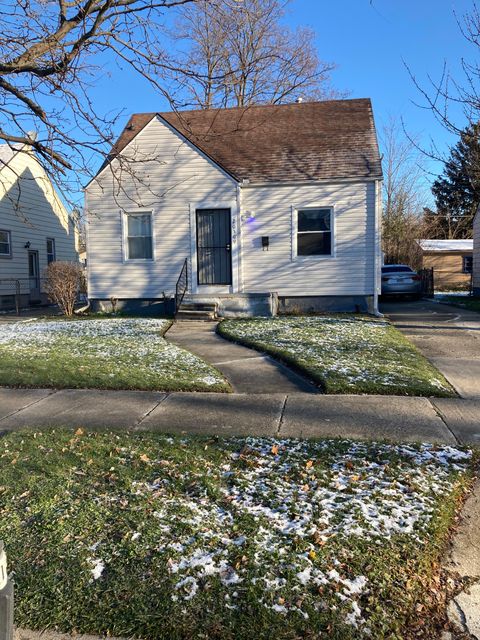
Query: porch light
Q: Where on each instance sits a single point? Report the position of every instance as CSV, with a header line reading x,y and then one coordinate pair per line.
x,y
27,245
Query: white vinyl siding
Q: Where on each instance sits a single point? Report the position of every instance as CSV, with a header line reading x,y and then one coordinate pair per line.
x,y
172,181
32,213
270,211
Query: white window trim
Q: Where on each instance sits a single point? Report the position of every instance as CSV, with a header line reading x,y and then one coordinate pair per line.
x,y
464,260
10,251
333,248
124,215
54,249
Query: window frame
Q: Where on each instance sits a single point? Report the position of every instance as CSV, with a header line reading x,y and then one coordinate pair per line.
x,y
294,242
139,212
9,255
54,253
470,258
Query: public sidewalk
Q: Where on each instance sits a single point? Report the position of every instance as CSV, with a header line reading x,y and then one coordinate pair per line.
x,y
394,418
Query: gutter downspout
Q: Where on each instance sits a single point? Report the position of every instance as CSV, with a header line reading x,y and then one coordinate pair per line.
x,y
240,238
378,248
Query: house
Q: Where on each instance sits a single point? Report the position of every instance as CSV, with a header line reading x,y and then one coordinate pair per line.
x,y
451,261
35,227
268,207
476,255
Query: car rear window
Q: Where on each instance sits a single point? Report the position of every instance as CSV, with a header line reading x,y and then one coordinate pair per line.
x,y
396,269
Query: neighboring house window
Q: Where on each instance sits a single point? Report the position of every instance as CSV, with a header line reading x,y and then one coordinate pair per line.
x,y
139,236
5,244
314,232
467,264
50,250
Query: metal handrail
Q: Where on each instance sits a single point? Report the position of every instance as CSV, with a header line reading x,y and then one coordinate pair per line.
x,y
181,286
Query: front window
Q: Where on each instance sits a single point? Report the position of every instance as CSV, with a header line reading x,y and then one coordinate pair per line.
x,y
314,232
50,250
467,264
139,236
5,244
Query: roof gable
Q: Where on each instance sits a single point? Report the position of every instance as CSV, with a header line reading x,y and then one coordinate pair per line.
x,y
278,143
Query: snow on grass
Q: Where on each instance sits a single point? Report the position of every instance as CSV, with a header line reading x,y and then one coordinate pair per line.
x,y
258,534
345,354
107,353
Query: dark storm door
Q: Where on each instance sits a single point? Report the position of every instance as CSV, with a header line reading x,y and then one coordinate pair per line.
x,y
214,251
34,276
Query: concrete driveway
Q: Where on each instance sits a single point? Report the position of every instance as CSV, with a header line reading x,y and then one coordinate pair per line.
x,y
448,336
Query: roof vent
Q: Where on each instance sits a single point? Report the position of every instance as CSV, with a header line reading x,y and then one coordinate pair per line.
x,y
299,100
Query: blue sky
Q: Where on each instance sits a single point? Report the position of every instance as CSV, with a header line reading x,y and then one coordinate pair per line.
x,y
370,43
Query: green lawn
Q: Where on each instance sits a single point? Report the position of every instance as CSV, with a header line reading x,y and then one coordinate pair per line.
x,y
113,353
343,354
174,538
472,303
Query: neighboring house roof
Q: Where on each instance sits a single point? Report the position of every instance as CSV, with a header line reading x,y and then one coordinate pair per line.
x,y
278,143
7,152
446,245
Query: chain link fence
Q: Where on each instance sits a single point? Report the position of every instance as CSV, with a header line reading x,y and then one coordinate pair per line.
x,y
21,293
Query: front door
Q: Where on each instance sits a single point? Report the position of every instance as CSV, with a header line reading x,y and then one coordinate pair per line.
x,y
34,276
214,251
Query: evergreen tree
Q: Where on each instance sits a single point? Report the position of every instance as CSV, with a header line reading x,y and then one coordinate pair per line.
x,y
457,190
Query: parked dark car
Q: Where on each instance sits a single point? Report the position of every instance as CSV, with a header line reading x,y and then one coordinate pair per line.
x,y
400,280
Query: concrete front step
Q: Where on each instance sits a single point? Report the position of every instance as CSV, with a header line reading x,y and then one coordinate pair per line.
x,y
195,314
198,306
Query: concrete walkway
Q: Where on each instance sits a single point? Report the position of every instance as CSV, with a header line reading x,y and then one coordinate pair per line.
x,y
448,336
285,415
248,371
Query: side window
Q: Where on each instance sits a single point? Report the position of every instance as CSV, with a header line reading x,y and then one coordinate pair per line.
x,y
467,264
139,236
50,250
314,232
5,244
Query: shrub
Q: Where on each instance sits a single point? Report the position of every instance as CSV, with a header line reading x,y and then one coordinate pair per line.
x,y
63,281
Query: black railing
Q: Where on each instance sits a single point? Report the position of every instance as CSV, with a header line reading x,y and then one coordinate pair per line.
x,y
181,286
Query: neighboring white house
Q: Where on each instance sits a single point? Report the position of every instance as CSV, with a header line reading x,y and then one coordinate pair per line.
x,y
271,207
476,254
35,227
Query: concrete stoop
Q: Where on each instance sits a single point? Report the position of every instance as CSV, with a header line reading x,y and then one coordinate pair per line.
x,y
197,311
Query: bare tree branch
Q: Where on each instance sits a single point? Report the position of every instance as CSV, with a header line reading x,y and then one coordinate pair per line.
x,y
50,54
240,53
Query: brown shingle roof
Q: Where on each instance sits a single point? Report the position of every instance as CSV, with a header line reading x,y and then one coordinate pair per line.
x,y
280,143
